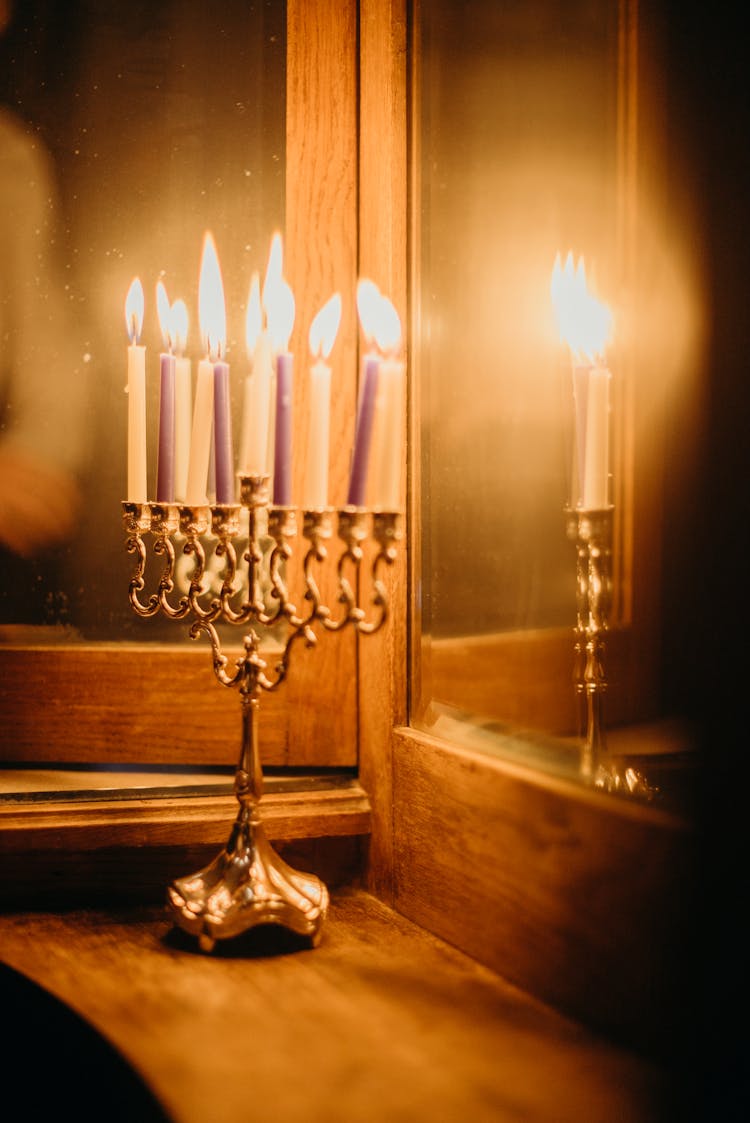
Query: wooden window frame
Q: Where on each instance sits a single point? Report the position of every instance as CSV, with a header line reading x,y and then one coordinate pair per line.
x,y
133,704
497,858
574,895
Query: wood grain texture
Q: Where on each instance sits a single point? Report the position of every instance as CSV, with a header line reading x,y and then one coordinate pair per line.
x,y
320,258
526,678
578,898
130,849
151,704
383,258
381,1022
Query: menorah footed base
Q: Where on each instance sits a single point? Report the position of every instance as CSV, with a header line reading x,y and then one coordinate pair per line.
x,y
247,885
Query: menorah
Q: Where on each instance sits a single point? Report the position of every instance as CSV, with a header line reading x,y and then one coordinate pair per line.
x,y
248,883
591,531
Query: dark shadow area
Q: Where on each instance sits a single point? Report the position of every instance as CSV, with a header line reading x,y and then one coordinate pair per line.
x,y
264,942
60,1065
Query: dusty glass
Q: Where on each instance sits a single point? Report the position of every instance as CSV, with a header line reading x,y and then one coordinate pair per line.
x,y
153,124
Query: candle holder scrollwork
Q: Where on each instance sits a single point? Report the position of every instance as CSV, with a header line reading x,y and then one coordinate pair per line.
x,y
591,532
248,883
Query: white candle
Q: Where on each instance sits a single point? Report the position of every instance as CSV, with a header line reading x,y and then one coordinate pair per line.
x,y
595,493
388,427
315,494
254,434
388,437
201,436
136,389
323,332
585,324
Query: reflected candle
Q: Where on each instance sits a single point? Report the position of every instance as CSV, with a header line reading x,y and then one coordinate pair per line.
x,y
136,390
183,400
165,492
280,304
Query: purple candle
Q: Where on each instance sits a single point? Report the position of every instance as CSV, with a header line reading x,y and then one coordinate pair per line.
x,y
363,435
282,458
165,470
223,448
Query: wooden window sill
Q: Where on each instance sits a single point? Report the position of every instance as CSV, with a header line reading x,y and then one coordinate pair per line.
x,y
110,849
382,1021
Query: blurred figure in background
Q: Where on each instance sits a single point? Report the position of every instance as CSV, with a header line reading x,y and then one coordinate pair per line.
x,y
42,386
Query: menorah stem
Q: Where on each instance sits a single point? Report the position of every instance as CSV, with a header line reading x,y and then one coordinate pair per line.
x,y
248,781
592,532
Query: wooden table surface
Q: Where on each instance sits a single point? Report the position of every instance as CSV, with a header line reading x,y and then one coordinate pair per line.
x,y
382,1022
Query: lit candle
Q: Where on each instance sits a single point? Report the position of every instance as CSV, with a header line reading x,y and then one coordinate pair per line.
x,y
165,455
368,300
323,332
183,400
279,300
388,427
136,390
255,418
585,325
213,328
203,411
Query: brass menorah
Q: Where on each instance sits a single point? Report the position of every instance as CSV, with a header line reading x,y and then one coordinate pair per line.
x,y
248,883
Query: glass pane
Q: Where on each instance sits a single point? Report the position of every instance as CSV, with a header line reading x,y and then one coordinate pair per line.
x,y
128,130
525,119
517,161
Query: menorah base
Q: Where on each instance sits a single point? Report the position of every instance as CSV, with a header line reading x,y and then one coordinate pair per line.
x,y
247,885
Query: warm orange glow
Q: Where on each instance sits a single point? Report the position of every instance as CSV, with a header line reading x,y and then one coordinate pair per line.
x,y
584,323
254,316
211,310
134,310
378,317
324,328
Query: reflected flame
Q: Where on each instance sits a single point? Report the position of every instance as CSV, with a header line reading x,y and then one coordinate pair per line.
x,y
173,320
584,323
134,310
165,315
274,269
378,317
254,317
324,327
280,312
211,310
180,321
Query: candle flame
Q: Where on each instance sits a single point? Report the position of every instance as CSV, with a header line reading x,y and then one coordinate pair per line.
x,y
254,317
173,320
180,321
211,310
378,317
274,269
325,326
280,312
164,312
134,310
584,323
368,295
